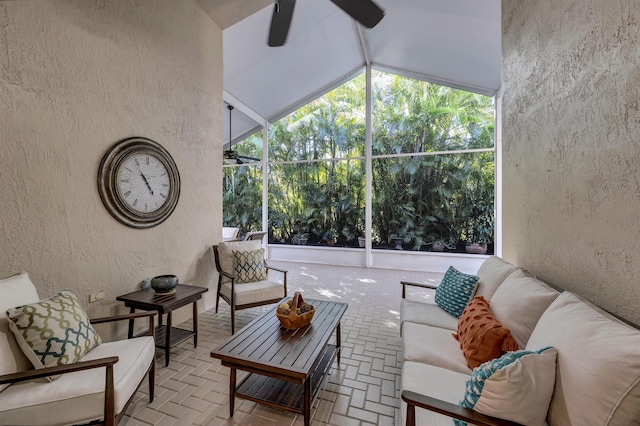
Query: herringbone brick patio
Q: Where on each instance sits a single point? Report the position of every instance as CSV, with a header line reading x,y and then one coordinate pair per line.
x,y
362,390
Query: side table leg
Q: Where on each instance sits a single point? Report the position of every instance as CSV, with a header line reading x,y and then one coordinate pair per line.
x,y
167,347
232,391
307,401
195,324
130,333
338,345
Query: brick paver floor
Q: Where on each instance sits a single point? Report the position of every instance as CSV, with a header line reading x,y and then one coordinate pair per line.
x,y
363,390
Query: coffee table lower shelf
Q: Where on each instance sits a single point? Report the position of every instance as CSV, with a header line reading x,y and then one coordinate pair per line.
x,y
283,394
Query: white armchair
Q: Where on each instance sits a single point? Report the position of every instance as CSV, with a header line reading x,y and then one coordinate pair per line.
x,y
243,280
97,388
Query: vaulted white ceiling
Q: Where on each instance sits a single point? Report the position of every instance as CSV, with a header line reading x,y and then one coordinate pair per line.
x,y
453,42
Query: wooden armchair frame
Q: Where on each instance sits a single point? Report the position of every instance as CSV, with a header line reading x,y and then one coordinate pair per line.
x,y
414,399
110,417
231,301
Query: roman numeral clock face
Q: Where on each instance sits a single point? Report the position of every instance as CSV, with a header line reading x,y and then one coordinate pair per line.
x,y
142,182
139,182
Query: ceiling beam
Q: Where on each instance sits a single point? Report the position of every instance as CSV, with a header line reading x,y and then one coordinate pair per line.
x,y
244,108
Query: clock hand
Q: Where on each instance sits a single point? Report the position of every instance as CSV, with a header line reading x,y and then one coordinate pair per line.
x,y
147,182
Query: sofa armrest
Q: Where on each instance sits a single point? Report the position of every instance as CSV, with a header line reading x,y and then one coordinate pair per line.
x,y
421,285
414,400
57,370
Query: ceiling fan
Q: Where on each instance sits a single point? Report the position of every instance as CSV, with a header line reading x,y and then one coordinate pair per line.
x,y
364,11
231,156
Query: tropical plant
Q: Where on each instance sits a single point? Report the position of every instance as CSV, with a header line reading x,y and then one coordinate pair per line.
x,y
431,192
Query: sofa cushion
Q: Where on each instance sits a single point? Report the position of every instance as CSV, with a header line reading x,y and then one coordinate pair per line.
x,y
53,331
248,266
426,313
491,274
598,366
225,253
79,397
14,291
435,382
433,345
519,302
516,387
482,337
455,291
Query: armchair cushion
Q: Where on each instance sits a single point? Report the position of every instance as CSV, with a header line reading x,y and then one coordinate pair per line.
x,y
516,387
15,290
255,292
455,291
249,266
79,397
53,331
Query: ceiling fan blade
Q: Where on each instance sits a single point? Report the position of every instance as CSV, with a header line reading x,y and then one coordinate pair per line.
x,y
364,11
280,22
246,157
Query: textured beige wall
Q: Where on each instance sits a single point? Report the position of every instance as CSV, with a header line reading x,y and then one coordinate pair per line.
x,y
76,76
571,144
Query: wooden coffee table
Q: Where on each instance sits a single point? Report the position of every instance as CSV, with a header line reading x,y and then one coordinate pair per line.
x,y
287,366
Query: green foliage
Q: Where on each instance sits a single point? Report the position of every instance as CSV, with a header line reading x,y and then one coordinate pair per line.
x,y
432,193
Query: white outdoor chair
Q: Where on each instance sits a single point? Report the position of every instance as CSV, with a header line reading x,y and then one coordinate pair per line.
x,y
97,389
239,284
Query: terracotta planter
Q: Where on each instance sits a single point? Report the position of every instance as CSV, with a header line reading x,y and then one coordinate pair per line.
x,y
476,249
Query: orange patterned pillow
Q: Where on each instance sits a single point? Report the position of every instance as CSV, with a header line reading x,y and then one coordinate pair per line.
x,y
482,338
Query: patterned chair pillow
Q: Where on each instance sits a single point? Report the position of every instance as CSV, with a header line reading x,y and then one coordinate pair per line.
x,y
455,291
249,266
54,331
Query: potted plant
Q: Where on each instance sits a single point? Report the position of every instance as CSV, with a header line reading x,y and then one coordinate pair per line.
x,y
397,241
480,233
362,241
300,239
330,236
440,245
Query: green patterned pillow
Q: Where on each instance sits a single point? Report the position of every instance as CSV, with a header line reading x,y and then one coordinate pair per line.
x,y
455,291
249,266
54,331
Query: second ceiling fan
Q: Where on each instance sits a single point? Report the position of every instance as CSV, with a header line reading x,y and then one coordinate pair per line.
x,y
364,11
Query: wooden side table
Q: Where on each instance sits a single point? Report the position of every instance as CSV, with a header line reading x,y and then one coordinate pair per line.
x,y
166,336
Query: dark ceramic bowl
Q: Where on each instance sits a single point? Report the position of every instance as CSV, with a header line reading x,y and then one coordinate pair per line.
x,y
164,283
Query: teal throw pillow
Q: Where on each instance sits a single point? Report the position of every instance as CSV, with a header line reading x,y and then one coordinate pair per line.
x,y
54,331
249,266
455,291
517,386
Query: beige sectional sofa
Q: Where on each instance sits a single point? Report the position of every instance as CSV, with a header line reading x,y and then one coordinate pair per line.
x,y
591,367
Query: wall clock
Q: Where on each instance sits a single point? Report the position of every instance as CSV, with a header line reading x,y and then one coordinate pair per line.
x,y
139,182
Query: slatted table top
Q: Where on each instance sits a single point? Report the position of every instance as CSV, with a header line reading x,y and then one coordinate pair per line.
x,y
263,345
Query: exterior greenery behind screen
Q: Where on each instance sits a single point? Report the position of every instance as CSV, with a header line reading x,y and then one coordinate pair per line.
x,y
433,169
